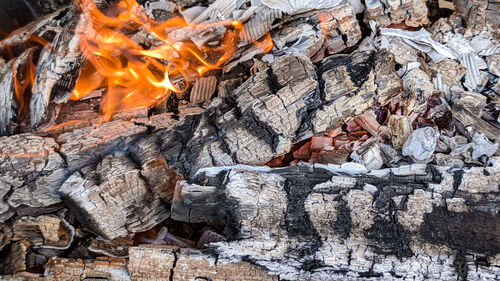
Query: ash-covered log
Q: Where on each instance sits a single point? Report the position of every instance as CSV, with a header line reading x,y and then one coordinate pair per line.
x,y
322,222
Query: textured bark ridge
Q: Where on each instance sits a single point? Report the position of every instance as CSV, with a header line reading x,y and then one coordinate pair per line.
x,y
322,222
115,199
277,107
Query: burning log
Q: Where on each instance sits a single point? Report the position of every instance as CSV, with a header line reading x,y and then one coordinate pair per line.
x,y
57,71
277,107
339,217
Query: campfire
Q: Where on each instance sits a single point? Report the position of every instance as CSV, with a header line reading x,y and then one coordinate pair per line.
x,y
249,140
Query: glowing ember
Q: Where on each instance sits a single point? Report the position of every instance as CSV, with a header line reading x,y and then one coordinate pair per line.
x,y
136,77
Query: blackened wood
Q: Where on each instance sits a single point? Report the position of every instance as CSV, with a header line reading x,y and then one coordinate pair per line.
x,y
418,221
277,107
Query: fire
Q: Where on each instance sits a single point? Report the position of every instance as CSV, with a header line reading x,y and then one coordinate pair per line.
x,y
136,77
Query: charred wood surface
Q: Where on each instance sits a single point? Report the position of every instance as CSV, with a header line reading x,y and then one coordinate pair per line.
x,y
277,107
322,222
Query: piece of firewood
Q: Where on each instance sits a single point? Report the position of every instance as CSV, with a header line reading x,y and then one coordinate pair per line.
x,y
85,146
203,89
7,98
31,171
114,199
158,262
57,71
276,107
368,121
418,221
47,231
401,129
469,119
112,269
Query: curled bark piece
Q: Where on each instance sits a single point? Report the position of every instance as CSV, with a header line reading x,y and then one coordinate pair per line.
x,y
148,262
349,222
47,231
260,24
114,200
7,98
57,71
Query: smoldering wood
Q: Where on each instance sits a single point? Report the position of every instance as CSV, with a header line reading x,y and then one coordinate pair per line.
x,y
113,269
277,107
348,221
57,71
311,33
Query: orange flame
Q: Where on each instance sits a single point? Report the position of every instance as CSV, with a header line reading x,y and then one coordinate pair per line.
x,y
136,77
24,75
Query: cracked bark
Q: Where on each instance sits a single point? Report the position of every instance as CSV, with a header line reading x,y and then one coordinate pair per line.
x,y
277,107
321,222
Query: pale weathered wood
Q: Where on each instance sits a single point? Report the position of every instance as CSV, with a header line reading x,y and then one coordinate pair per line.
x,y
114,199
157,262
57,71
31,172
7,98
112,269
410,12
469,119
336,222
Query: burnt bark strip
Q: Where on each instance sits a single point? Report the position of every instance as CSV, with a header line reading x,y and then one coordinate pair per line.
x,y
322,222
275,108
57,71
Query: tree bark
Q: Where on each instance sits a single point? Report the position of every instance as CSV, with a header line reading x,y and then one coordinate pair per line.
x,y
322,222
